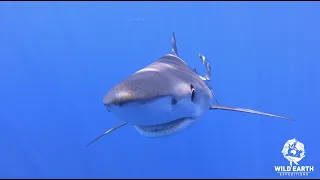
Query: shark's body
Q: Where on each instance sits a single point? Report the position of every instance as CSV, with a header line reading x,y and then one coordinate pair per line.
x,y
164,97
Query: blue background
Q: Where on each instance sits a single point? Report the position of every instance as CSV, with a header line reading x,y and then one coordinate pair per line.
x,y
58,59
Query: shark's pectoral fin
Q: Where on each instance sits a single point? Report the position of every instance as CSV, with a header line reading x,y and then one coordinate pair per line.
x,y
215,106
107,132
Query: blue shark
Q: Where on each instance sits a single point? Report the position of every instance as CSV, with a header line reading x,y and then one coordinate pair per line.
x,y
165,97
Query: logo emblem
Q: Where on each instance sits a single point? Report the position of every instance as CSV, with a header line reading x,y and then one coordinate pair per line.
x,y
293,151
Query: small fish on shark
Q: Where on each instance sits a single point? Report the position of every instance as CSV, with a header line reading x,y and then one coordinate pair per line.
x,y
165,97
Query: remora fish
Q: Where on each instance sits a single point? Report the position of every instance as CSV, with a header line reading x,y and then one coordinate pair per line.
x,y
165,97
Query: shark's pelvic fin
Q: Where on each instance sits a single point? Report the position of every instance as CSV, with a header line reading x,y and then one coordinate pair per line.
x,y
107,132
174,45
215,106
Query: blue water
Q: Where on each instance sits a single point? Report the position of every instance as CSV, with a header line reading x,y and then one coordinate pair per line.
x,y
58,59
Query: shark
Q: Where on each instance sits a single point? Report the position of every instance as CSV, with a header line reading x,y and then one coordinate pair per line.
x,y
165,97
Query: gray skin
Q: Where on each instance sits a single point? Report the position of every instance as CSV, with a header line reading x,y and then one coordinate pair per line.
x,y
176,83
148,85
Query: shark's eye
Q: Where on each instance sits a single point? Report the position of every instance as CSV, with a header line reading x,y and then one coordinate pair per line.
x,y
192,93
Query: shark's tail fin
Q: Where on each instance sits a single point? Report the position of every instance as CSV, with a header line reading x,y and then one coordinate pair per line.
x,y
174,45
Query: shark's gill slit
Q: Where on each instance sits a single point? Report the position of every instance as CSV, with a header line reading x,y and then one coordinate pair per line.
x,y
192,92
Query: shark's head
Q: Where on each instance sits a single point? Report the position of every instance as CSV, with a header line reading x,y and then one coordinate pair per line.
x,y
160,99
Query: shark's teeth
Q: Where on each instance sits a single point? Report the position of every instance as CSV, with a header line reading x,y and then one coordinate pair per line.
x,y
164,129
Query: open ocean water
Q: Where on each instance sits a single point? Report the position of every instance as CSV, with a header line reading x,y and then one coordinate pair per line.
x,y
58,59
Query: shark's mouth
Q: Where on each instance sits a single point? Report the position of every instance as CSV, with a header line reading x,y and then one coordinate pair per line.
x,y
165,128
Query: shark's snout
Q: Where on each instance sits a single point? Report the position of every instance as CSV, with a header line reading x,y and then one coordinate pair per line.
x,y
125,93
140,87
117,97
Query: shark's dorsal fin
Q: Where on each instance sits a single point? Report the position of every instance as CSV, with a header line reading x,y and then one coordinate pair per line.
x,y
174,45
